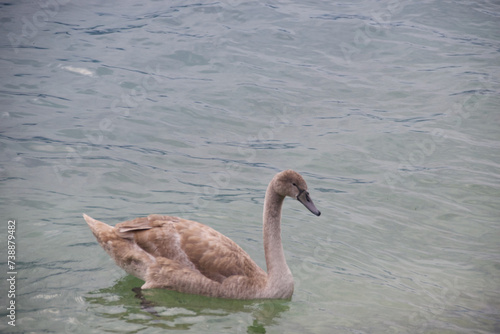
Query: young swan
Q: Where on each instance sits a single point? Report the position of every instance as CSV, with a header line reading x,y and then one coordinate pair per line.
x,y
183,255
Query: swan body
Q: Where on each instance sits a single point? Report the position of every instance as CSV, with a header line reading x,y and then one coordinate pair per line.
x,y
183,255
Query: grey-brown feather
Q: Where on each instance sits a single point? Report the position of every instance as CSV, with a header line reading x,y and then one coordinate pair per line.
x,y
174,253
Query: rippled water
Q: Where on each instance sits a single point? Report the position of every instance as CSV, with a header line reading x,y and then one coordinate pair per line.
x,y
388,109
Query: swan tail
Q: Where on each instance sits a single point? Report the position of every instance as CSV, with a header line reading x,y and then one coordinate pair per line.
x,y
126,253
103,232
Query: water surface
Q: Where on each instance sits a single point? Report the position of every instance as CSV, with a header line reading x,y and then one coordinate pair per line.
x,y
388,109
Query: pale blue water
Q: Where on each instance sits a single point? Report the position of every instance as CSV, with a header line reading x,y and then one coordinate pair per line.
x,y
390,110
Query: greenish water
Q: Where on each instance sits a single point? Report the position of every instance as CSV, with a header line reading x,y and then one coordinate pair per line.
x,y
388,109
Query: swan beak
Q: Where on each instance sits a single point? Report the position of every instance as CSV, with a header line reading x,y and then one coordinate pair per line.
x,y
303,197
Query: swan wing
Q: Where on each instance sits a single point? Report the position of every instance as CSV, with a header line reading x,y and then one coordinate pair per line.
x,y
193,246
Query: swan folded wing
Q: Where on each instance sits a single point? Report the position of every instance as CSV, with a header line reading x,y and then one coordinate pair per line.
x,y
213,254
157,236
188,253
192,244
142,223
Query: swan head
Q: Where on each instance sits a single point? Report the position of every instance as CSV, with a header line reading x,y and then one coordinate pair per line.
x,y
292,184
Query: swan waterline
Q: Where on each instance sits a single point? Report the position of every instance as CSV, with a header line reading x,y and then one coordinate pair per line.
x,y
183,255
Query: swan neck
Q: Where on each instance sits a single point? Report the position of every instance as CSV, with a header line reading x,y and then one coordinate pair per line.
x,y
273,248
